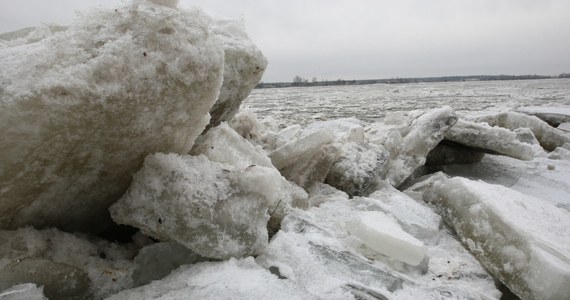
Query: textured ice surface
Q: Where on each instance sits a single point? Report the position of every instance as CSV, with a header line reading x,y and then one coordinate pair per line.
x,y
533,178
559,153
309,170
315,250
415,218
357,167
425,132
522,240
81,109
224,145
231,279
28,291
346,129
564,126
64,264
382,233
199,204
484,137
304,147
548,136
244,65
246,124
322,192
155,261
553,115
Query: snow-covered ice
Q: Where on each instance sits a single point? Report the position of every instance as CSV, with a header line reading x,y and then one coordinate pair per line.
x,y
533,178
425,132
382,233
522,240
224,145
416,218
357,166
552,114
197,203
548,136
244,65
303,147
494,139
231,279
80,107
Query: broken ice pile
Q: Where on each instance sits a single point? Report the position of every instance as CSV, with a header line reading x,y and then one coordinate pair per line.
x,y
131,116
82,106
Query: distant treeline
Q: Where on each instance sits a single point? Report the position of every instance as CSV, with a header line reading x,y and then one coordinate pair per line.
x,y
302,82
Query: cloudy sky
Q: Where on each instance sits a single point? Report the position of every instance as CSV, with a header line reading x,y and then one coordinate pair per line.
x,y
358,39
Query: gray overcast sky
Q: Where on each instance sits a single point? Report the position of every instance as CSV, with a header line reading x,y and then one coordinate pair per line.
x,y
357,39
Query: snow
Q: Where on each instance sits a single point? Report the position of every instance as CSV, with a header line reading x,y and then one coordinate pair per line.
x,y
382,233
522,240
315,249
234,279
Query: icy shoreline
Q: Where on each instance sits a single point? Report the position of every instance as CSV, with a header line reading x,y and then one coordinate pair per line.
x,y
221,204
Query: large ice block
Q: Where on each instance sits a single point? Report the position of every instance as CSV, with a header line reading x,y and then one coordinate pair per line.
x,y
495,139
305,146
425,133
244,65
357,167
81,108
199,204
522,240
548,136
224,145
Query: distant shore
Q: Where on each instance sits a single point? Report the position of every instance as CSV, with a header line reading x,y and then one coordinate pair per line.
x,y
306,83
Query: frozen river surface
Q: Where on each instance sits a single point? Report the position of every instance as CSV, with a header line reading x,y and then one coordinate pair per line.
x,y
302,105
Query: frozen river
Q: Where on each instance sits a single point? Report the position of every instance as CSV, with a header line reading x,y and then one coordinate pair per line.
x,y
371,102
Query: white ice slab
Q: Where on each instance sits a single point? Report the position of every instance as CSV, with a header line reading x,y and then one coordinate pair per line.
x,y
522,240
382,233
